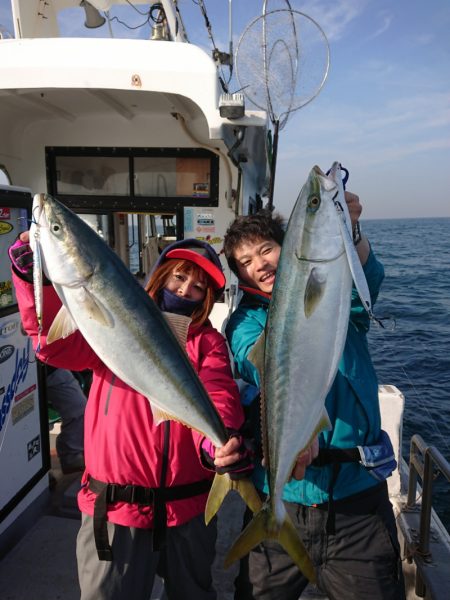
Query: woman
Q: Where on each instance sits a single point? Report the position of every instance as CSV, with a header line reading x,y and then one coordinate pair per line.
x,y
145,486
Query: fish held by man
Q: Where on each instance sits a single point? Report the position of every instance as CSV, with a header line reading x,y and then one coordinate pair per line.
x,y
298,354
102,299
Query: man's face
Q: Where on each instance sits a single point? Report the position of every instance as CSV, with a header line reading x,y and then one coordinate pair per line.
x,y
257,263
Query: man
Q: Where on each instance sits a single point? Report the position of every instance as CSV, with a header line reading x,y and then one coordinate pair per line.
x,y
340,509
65,395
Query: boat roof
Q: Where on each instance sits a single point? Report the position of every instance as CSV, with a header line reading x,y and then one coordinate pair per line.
x,y
48,77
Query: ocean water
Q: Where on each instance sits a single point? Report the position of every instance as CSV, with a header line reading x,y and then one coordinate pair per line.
x,y
414,354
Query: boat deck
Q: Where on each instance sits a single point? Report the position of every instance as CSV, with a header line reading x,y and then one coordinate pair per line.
x,y
43,563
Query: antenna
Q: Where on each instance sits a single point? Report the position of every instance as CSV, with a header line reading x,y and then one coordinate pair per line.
x,y
230,31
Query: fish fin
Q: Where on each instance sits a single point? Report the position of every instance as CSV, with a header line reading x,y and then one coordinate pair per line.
x,y
219,489
63,325
263,527
256,354
222,484
95,308
179,324
314,290
255,532
160,415
256,357
324,423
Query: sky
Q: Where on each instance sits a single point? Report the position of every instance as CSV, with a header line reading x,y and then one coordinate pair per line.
x,y
383,112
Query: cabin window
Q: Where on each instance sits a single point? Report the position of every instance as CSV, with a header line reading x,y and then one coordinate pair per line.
x,y
147,179
102,175
158,176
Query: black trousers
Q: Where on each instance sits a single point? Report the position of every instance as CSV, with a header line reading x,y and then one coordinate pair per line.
x,y
359,557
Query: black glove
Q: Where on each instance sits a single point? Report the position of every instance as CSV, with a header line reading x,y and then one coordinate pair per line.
x,y
241,468
21,257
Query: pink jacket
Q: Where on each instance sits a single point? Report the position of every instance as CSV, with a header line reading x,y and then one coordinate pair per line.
x,y
122,443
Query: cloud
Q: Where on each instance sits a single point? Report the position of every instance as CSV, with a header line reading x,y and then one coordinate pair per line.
x,y
398,152
389,130
334,17
425,39
386,19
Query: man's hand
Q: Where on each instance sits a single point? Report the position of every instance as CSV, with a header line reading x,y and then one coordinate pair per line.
x,y
355,210
304,459
354,207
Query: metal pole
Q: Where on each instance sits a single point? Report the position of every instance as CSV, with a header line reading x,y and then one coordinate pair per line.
x,y
413,470
425,513
273,164
230,30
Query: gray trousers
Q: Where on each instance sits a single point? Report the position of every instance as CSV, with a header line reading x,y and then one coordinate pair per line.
x,y
359,559
184,562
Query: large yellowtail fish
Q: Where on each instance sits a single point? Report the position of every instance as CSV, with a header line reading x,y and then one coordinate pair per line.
x,y
298,354
125,328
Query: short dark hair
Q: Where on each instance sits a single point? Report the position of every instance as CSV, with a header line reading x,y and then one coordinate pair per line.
x,y
263,225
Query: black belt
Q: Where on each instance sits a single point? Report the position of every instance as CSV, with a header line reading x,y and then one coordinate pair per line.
x,y
328,456
108,493
334,457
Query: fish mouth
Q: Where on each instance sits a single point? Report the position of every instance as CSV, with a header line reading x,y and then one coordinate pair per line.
x,y
320,260
38,207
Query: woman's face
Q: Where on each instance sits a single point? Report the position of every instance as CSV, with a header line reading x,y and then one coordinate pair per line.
x,y
187,285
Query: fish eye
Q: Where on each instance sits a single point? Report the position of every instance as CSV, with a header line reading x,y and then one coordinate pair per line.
x,y
314,202
56,228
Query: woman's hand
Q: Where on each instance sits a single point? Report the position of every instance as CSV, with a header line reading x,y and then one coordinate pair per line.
x,y
21,257
228,454
235,457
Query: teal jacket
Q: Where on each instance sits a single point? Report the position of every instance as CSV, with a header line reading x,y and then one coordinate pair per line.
x,y
352,402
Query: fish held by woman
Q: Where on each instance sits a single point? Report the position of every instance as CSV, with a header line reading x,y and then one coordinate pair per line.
x,y
103,300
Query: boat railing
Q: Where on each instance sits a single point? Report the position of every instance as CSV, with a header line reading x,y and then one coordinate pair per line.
x,y
427,463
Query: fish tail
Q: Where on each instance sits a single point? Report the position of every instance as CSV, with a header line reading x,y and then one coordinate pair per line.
x,y
263,526
255,532
248,493
222,484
